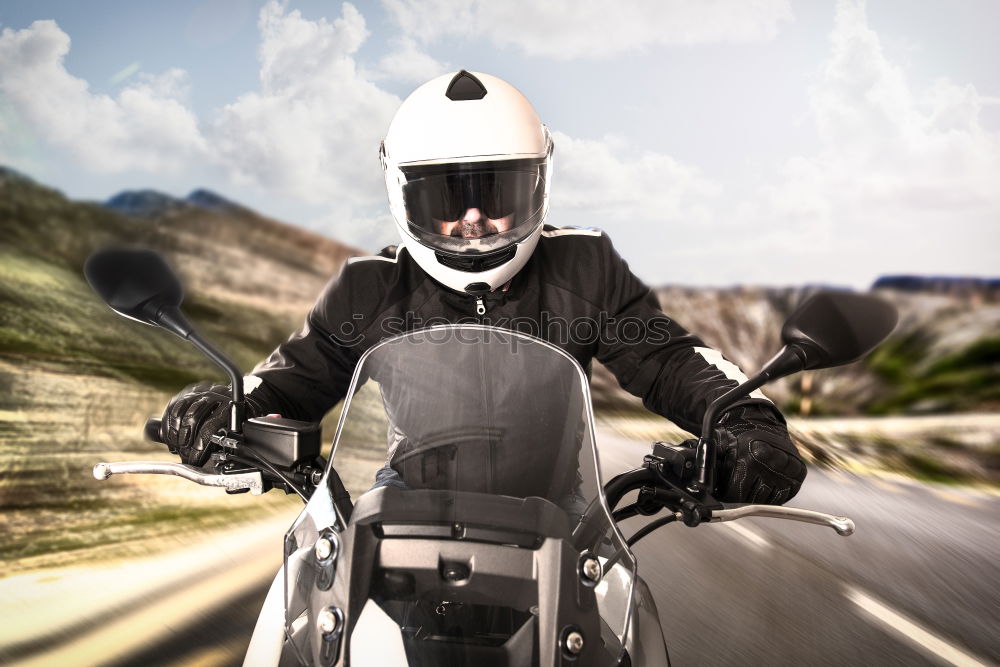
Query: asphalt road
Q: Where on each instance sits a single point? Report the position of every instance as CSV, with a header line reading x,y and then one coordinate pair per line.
x,y
214,639
917,584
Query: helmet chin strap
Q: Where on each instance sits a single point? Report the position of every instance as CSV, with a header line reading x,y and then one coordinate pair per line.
x,y
478,289
462,281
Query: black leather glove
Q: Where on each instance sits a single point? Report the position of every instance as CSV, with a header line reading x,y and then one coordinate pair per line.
x,y
196,414
758,463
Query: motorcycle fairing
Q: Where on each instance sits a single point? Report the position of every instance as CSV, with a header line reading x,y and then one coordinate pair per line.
x,y
473,552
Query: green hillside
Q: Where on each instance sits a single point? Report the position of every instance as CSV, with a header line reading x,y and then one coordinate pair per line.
x,y
77,381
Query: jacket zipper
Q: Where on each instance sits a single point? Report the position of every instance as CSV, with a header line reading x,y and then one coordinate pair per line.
x,y
480,306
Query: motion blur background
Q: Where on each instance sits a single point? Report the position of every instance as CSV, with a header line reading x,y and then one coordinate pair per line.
x,y
739,155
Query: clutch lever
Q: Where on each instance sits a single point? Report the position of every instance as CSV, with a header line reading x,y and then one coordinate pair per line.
x,y
843,525
244,481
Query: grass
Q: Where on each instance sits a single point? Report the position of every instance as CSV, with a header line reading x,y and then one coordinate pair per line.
x,y
931,456
76,381
75,357
932,469
48,314
127,530
966,380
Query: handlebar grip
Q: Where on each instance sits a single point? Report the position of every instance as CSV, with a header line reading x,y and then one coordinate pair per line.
x,y
152,429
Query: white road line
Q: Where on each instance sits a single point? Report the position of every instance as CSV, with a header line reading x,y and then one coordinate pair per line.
x,y
750,535
911,631
886,486
838,476
161,618
954,497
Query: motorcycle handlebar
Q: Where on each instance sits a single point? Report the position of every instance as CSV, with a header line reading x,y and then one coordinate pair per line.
x,y
152,429
663,492
621,484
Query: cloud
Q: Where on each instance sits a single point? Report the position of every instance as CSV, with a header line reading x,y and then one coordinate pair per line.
x,y
904,180
899,147
407,63
146,126
610,180
642,198
585,29
901,174
313,128
311,131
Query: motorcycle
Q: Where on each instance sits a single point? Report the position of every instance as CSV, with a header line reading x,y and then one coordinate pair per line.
x,y
490,537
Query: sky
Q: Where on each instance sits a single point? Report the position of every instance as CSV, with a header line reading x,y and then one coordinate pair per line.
x,y
717,142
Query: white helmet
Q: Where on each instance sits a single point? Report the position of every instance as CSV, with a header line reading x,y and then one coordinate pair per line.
x,y
467,164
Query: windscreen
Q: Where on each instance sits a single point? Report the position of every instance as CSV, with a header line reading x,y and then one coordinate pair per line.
x,y
486,437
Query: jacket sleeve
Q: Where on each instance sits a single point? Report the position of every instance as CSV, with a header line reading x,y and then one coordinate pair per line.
x,y
311,372
653,357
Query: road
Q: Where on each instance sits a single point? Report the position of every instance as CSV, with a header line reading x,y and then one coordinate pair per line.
x,y
918,584
115,611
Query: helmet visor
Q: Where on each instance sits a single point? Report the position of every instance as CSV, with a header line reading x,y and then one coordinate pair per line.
x,y
471,208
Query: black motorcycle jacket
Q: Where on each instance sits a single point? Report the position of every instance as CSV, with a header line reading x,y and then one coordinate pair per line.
x,y
576,292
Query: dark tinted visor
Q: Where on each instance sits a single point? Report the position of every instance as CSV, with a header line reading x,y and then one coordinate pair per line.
x,y
512,191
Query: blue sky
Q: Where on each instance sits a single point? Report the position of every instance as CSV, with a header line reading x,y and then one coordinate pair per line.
x,y
717,142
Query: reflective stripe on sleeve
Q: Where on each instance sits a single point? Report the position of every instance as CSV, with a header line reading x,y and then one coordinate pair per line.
x,y
731,370
250,382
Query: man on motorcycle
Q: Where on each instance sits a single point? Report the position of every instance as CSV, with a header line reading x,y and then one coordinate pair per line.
x,y
467,166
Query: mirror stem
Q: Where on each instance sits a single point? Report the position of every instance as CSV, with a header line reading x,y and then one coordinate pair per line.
x,y
789,360
705,456
238,412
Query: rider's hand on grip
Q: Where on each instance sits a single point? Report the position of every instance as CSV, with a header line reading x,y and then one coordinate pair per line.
x,y
192,418
758,463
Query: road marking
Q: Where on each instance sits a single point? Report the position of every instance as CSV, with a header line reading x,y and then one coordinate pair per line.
x,y
886,486
215,656
151,620
840,476
159,619
953,497
911,630
750,535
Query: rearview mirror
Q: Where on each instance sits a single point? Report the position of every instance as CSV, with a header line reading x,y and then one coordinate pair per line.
x,y
836,328
827,329
831,329
140,285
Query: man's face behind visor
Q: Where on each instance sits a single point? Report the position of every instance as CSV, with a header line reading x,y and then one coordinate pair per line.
x,y
473,201
474,223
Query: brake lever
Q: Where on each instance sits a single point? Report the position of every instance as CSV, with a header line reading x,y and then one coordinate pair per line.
x,y
842,524
243,481
694,505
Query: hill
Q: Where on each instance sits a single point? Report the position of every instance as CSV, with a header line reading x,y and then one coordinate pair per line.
x,y
944,355
77,381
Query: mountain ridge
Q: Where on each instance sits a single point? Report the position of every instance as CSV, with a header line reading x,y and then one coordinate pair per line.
x,y
150,204
242,267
